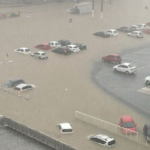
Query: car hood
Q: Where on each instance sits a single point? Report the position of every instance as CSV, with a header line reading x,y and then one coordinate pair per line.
x,y
4,85
148,137
129,130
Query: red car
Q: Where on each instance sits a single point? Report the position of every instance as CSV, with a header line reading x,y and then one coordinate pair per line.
x,y
44,46
148,23
146,31
127,124
115,58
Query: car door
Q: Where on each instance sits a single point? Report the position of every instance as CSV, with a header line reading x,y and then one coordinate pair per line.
x,y
124,68
22,51
18,50
120,68
36,55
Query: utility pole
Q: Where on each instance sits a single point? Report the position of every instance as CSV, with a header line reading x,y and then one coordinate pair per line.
x,y
102,9
92,8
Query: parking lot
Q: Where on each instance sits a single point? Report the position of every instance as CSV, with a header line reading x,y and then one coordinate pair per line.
x,y
64,83
129,88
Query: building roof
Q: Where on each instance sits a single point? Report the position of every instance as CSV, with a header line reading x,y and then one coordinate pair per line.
x,y
19,142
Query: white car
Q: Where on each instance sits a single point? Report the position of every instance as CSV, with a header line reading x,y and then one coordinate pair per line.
x,y
23,50
125,67
147,80
73,48
139,26
65,128
103,140
54,44
112,32
24,87
40,55
137,34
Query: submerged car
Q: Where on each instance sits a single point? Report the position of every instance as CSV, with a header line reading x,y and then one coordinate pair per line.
x,y
65,128
146,131
24,87
13,82
126,29
62,50
23,50
112,32
44,46
40,55
64,42
81,46
114,58
125,68
147,80
127,124
137,34
103,140
102,34
73,48
139,26
54,44
146,30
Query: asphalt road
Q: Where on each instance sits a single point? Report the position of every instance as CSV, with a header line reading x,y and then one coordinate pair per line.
x,y
64,83
130,88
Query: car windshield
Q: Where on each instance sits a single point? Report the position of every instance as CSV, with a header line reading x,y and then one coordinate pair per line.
x,y
43,54
130,66
148,131
9,83
128,124
111,142
16,88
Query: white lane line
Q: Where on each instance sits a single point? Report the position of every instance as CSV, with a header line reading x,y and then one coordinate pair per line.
x,y
145,90
143,67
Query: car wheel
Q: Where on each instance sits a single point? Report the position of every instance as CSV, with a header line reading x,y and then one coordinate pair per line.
x,y
127,72
147,82
39,57
115,70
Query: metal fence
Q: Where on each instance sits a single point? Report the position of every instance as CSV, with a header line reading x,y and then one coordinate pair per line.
x,y
124,132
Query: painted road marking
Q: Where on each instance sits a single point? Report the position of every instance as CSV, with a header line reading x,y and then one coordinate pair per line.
x,y
145,90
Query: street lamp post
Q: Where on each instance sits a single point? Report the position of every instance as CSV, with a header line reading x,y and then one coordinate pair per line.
x,y
5,63
102,9
30,23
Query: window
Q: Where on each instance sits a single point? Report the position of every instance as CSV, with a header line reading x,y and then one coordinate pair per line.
x,y
18,50
128,124
66,130
111,142
27,50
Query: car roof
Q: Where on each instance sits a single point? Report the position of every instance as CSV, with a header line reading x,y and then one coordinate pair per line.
x,y
127,118
65,125
137,31
44,44
54,42
23,48
15,79
112,30
39,52
125,64
104,137
115,54
72,45
21,85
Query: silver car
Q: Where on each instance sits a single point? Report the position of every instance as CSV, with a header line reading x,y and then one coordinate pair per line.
x,y
137,34
40,55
